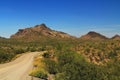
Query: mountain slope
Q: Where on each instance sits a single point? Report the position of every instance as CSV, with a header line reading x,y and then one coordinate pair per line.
x,y
93,36
116,37
39,31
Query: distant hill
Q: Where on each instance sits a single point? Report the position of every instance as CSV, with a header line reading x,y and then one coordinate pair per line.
x,y
116,37
42,32
39,31
2,37
93,36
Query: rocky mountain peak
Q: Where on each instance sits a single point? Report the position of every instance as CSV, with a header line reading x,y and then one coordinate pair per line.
x,y
41,26
92,35
116,37
38,31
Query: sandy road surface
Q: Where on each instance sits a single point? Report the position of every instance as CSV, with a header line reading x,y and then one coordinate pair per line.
x,y
17,69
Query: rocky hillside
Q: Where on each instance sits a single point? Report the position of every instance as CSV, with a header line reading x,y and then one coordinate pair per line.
x,y
39,31
116,37
93,36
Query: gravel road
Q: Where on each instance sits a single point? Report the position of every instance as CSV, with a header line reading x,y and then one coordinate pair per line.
x,y
18,69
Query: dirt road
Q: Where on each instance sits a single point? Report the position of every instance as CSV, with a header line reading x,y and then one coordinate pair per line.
x,y
17,69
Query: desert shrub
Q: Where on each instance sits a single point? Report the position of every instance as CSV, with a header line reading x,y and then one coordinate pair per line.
x,y
40,73
5,56
73,66
46,55
32,49
19,51
112,54
51,66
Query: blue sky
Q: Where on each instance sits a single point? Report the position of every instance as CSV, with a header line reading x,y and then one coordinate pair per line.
x,y
76,17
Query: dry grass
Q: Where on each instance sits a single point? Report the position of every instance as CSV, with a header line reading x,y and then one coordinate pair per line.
x,y
38,67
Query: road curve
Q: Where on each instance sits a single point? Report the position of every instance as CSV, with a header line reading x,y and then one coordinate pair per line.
x,y
17,69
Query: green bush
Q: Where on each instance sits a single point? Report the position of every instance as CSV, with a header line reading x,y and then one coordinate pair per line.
x,y
40,73
19,51
46,55
5,56
51,66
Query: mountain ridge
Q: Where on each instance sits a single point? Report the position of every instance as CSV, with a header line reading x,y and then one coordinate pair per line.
x,y
116,37
39,31
92,35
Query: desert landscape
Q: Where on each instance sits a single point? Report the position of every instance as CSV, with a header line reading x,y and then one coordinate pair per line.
x,y
59,40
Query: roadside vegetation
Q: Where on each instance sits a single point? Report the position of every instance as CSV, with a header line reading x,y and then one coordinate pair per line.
x,y
10,48
68,59
81,60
